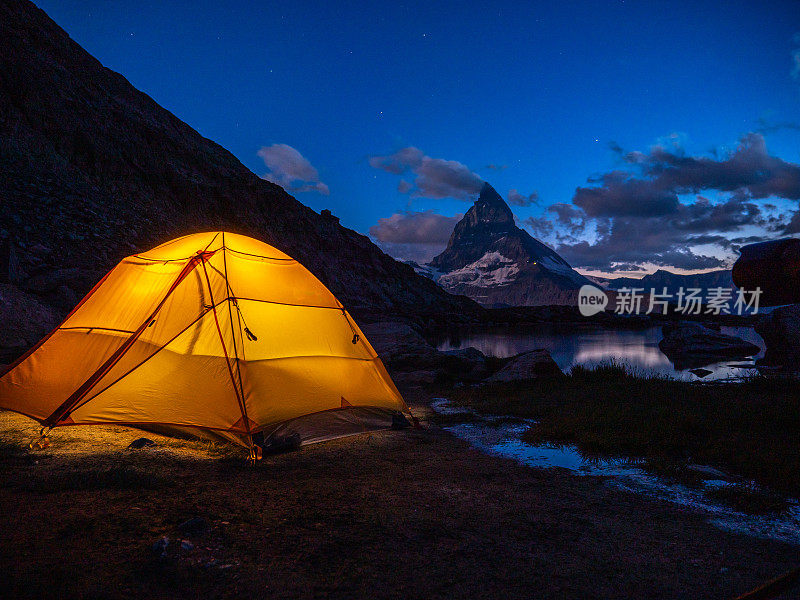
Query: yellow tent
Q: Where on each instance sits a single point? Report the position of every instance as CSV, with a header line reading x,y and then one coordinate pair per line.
x,y
215,332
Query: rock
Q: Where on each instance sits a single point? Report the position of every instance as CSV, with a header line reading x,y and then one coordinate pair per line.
x,y
25,320
9,264
693,345
535,364
63,299
96,170
141,443
780,330
398,343
471,362
50,280
701,372
187,546
194,526
413,360
415,377
159,548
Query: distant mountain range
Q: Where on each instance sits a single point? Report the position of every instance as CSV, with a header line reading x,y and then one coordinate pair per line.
x,y
93,170
494,262
672,281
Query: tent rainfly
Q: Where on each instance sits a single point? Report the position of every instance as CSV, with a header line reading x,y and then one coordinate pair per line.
x,y
214,334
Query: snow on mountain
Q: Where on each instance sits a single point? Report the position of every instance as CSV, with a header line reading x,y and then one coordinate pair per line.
x,y
491,260
491,269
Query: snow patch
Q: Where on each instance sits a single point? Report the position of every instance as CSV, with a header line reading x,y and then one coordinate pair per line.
x,y
490,270
565,270
425,270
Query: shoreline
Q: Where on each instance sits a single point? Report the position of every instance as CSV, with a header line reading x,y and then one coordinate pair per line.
x,y
408,513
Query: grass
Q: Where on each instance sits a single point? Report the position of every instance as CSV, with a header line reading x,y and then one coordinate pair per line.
x,y
749,428
435,519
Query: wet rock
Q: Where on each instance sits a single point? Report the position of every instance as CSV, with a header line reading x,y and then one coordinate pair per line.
x,y
694,345
194,526
780,330
535,364
141,443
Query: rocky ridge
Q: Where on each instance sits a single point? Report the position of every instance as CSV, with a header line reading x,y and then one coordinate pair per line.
x,y
94,170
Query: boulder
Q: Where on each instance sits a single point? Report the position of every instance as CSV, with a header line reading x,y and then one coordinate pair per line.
x,y
694,345
780,330
399,345
535,364
471,362
413,360
140,443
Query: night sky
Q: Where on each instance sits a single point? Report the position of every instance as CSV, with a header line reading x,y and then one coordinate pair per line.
x,y
628,135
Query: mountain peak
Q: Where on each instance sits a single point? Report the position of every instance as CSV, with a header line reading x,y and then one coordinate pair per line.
x,y
491,259
488,193
489,213
489,208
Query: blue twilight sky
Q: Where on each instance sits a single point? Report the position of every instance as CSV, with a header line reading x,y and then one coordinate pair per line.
x,y
678,120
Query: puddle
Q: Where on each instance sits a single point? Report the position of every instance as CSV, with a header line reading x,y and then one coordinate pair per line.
x,y
494,435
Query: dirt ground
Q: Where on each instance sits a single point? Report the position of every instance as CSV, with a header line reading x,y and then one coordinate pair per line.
x,y
412,514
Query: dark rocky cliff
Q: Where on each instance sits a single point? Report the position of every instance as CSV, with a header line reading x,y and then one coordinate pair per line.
x,y
92,170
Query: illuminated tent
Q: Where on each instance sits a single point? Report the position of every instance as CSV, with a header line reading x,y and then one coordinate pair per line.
x,y
213,333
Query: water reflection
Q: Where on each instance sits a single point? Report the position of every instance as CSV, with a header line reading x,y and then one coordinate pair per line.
x,y
494,435
590,347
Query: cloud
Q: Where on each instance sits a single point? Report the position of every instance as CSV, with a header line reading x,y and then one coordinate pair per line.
x,y
517,199
620,194
433,177
637,239
659,176
425,227
620,243
796,57
495,167
291,170
766,126
417,236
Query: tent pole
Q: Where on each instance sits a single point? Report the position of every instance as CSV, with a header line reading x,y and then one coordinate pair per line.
x,y
66,407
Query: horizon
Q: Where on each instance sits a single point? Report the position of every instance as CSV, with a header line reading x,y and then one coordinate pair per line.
x,y
592,122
